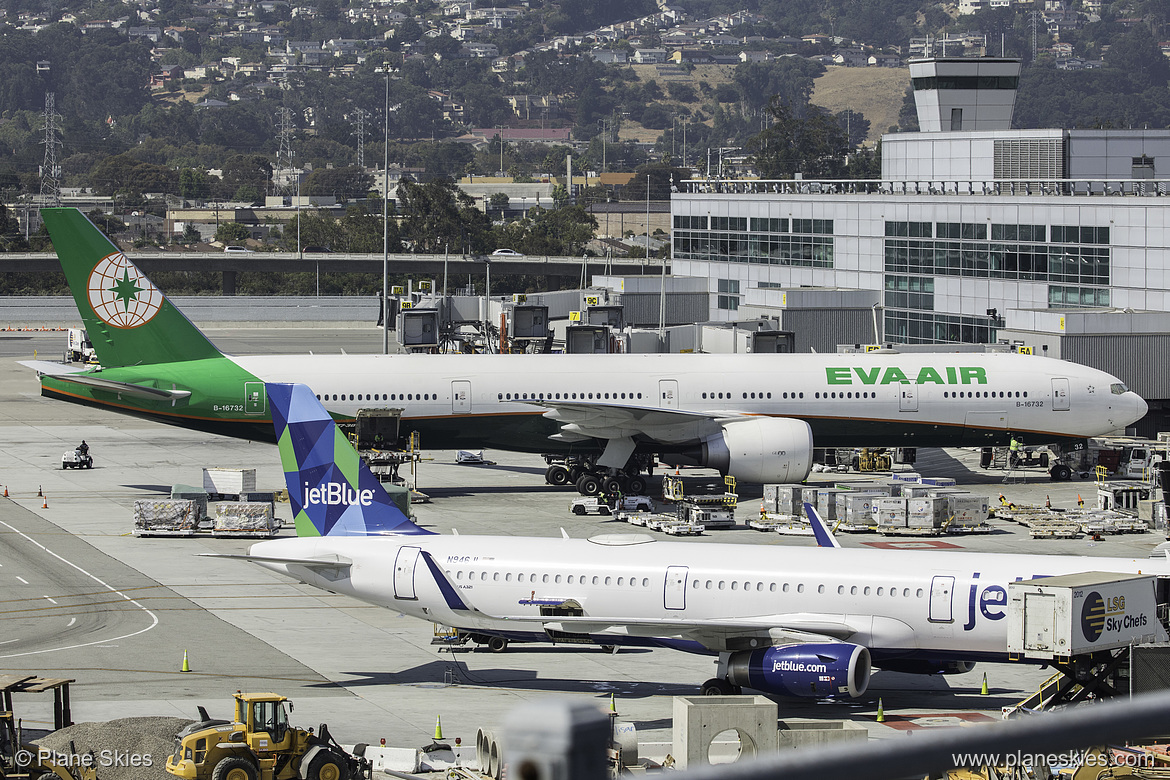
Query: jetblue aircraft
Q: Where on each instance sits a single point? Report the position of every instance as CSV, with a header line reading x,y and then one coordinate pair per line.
x,y
790,621
755,417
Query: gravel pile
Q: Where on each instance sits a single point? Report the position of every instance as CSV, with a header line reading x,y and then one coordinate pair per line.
x,y
124,749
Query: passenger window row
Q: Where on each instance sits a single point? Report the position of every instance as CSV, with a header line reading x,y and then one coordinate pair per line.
x,y
760,395
772,587
735,585
554,579
566,396
379,397
986,394
865,394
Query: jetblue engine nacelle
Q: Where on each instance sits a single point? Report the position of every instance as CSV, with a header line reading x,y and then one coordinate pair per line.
x,y
819,671
759,449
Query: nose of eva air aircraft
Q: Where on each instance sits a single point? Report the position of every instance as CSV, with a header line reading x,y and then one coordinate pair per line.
x,y
1135,407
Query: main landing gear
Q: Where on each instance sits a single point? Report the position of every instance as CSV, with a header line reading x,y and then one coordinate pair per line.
x,y
721,685
582,472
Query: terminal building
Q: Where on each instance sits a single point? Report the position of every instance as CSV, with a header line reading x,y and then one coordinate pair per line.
x,y
975,233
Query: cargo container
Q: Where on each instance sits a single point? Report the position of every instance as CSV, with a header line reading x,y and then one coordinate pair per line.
x,y
165,517
229,482
1076,614
926,513
856,509
966,510
244,518
827,503
890,512
788,500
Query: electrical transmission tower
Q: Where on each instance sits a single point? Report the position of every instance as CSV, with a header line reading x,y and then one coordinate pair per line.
x,y
360,131
1033,36
50,170
283,174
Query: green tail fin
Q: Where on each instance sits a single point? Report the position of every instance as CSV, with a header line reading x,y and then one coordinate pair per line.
x,y
129,321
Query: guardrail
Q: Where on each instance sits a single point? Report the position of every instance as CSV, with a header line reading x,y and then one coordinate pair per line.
x,y
933,187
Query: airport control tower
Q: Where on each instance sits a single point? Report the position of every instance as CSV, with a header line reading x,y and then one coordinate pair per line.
x,y
956,93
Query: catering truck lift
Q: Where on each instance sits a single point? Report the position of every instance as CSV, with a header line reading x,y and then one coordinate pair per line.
x,y
1084,626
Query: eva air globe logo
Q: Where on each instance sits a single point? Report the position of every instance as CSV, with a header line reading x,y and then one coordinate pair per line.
x,y
120,295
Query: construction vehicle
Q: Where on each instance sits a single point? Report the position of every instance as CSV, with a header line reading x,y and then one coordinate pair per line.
x,y
261,745
21,761
1116,762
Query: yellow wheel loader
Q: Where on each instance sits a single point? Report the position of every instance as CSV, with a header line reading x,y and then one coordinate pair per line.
x,y
20,761
261,745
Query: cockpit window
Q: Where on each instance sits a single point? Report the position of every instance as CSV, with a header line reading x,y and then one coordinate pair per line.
x,y
1118,389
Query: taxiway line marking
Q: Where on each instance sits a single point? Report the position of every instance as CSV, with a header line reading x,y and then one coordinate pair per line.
x,y
154,618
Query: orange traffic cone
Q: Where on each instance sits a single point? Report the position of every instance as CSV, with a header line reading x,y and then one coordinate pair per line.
x,y
45,502
1047,502
1080,501
6,491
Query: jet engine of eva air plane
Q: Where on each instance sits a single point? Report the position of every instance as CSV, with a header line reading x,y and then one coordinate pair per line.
x,y
762,449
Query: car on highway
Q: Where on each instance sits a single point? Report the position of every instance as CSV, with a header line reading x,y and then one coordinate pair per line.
x,y
237,250
507,253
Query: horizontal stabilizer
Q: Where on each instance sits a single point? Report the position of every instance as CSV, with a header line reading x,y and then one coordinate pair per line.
x,y
65,373
324,562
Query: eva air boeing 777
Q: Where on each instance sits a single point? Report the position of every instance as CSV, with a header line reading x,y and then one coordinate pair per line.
x,y
756,417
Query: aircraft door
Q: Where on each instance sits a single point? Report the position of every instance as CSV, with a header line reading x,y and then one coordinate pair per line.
x,y
675,595
1039,621
404,564
253,398
1060,400
668,393
908,398
941,590
461,396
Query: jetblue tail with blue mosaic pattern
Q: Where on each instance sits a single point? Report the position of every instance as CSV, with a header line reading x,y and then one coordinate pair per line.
x,y
331,490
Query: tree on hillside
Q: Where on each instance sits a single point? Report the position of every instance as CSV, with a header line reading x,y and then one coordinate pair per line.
x,y
438,213
251,171
814,146
343,183
124,175
1137,55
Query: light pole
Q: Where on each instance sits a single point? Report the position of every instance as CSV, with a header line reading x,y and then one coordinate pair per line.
x,y
386,216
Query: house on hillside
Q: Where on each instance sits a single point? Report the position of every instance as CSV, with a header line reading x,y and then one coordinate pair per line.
x,y
609,56
649,56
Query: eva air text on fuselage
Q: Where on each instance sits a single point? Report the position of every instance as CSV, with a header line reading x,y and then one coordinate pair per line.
x,y
877,375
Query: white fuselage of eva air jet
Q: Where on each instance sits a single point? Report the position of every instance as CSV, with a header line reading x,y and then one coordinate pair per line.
x,y
754,416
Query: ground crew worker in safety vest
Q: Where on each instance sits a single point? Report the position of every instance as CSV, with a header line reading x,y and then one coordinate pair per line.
x,y
1014,451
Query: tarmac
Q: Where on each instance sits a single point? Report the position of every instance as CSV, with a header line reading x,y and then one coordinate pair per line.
x,y
82,598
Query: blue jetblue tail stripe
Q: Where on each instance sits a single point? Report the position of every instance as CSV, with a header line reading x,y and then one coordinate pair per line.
x,y
450,595
821,532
